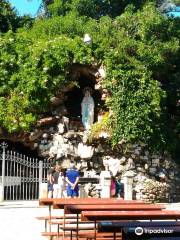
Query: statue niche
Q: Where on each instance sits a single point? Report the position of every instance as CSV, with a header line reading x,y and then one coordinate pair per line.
x,y
82,101
87,109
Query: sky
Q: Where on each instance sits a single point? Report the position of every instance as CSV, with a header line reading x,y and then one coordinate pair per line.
x,y
26,6
175,13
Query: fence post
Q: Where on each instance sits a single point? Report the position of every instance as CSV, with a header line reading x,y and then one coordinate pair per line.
x,y
40,176
42,186
2,184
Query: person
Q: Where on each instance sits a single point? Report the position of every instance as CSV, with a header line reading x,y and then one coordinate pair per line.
x,y
119,188
58,179
50,181
72,179
113,187
87,109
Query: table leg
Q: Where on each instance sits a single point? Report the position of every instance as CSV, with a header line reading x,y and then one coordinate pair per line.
x,y
64,224
50,217
122,234
95,230
58,230
71,235
114,235
46,225
77,228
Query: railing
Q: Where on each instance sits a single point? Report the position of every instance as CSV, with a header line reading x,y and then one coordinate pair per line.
x,y
20,175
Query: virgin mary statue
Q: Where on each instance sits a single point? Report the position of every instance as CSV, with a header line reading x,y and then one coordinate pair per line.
x,y
87,109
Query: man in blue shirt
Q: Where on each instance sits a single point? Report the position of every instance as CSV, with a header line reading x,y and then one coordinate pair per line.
x,y
72,178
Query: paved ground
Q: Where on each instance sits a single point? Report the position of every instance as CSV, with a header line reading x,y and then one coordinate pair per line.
x,y
18,222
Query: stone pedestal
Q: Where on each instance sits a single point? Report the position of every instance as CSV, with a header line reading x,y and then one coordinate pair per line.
x,y
105,183
128,185
43,190
82,192
128,188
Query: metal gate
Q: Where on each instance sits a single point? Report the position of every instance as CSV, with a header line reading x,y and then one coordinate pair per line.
x,y
20,176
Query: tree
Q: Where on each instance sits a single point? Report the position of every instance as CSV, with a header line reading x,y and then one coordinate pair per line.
x,y
8,16
9,19
138,48
142,65
91,8
177,2
98,8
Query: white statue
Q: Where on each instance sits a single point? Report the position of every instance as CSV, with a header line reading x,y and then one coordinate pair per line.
x,y
87,109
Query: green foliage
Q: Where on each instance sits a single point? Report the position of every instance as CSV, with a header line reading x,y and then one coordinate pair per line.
x,y
103,126
141,69
8,17
14,114
9,20
34,70
139,50
91,8
51,27
177,2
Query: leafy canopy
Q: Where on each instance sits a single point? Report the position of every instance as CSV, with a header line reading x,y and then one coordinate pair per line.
x,y
138,48
8,17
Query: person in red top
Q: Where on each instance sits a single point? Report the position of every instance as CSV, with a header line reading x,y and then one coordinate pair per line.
x,y
113,187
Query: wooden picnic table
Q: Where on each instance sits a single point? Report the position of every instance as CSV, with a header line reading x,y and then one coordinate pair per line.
x,y
77,209
47,202
129,215
110,205
60,203
63,203
128,228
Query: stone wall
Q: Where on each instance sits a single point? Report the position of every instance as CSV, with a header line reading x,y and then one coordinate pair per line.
x,y
155,177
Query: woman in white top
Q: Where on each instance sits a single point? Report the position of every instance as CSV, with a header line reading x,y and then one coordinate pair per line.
x,y
59,181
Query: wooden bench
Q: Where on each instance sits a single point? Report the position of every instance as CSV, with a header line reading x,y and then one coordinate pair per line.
x,y
88,234
128,229
129,215
76,206
62,202
77,209
48,219
72,227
